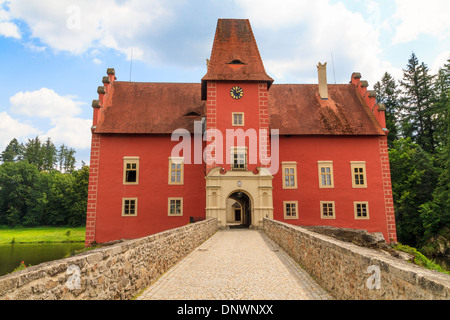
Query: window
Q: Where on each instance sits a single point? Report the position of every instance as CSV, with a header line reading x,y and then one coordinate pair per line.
x,y
238,119
326,174
290,209
327,210
361,210
176,171
175,207
289,175
131,170
359,179
239,159
129,207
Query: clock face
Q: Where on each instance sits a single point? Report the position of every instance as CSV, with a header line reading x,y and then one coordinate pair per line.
x,y
237,93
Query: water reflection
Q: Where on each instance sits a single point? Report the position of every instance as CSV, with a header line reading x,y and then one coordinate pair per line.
x,y
12,255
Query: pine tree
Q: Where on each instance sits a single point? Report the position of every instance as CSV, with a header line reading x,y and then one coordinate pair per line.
x,y
417,116
13,152
33,153
441,104
388,93
49,155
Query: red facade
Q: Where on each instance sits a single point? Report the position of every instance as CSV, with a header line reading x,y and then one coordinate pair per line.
x,y
329,165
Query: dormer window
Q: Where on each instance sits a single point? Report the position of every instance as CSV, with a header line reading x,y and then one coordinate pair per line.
x,y
192,115
236,62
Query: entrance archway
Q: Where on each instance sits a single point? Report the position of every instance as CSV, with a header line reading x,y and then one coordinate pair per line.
x,y
239,210
249,190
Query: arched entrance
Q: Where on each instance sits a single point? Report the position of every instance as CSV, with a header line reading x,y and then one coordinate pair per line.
x,y
248,190
239,210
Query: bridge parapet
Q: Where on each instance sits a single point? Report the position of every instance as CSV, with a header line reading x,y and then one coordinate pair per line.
x,y
116,272
351,272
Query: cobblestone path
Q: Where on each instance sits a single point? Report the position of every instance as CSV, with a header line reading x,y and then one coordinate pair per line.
x,y
236,264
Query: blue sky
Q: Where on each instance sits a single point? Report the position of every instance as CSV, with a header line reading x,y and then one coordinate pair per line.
x,y
54,53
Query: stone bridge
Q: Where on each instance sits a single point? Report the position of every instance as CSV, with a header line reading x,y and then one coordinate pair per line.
x,y
200,262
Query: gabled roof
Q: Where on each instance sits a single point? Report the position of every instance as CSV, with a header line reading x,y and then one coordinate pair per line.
x,y
235,55
294,109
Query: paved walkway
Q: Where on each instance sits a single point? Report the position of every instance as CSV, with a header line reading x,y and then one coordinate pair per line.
x,y
236,264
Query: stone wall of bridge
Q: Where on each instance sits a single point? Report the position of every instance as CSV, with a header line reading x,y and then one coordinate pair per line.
x,y
352,272
115,272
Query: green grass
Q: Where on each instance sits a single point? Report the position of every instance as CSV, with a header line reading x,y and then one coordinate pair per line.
x,y
420,259
41,235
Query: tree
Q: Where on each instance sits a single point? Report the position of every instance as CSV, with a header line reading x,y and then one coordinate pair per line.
x,y
17,191
66,159
77,212
441,105
417,116
389,94
413,181
49,155
436,213
13,152
32,153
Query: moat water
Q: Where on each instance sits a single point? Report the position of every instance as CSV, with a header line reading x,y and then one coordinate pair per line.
x,y
12,255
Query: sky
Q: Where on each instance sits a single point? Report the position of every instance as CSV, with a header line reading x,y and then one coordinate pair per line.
x,y
54,53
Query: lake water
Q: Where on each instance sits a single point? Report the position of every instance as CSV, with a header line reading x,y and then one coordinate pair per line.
x,y
12,255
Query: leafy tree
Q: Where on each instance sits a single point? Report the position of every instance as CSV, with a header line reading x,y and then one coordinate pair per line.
x,y
413,180
77,212
17,193
33,192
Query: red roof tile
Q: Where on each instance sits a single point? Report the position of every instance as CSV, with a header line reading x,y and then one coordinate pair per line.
x,y
152,108
235,55
295,109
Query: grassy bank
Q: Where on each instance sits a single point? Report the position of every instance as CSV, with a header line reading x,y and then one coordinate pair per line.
x,y
41,235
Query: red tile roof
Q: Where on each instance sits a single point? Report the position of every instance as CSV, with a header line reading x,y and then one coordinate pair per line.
x,y
295,109
235,55
156,108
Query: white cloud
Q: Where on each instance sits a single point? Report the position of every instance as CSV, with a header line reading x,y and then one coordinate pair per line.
x,y
9,30
44,103
314,30
11,128
440,61
76,28
59,113
418,17
73,132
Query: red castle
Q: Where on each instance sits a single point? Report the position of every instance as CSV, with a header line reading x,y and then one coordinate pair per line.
x,y
164,154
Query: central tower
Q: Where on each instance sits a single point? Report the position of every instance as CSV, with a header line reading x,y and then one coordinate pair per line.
x,y
236,90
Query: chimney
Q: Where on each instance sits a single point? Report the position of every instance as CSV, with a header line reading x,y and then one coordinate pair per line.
x,y
323,85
